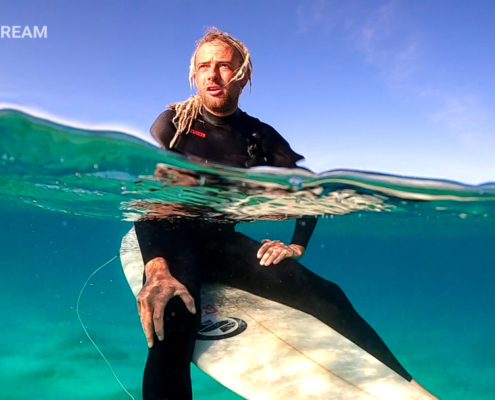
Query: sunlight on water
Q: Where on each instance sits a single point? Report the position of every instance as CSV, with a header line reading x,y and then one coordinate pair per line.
x,y
415,256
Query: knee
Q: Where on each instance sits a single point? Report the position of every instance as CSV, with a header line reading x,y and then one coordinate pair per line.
x,y
178,320
333,297
335,289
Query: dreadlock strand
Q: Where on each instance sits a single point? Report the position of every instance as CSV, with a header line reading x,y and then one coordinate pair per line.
x,y
185,113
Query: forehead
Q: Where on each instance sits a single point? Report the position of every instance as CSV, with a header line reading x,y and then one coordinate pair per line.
x,y
216,50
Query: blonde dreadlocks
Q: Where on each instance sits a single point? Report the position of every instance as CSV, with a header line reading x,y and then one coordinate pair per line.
x,y
186,111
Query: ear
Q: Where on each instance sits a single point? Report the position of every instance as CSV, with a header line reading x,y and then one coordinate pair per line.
x,y
246,78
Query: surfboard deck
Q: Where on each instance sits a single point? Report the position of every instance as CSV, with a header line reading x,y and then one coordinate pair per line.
x,y
263,350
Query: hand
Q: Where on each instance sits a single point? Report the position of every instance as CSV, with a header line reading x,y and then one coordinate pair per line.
x,y
177,176
185,177
159,288
274,251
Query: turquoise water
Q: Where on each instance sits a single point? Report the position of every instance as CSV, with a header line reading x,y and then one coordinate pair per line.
x,y
416,257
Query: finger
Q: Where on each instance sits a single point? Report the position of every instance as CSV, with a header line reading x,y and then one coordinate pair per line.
x,y
147,322
280,257
158,320
141,308
188,301
141,318
270,241
272,257
161,172
264,248
266,256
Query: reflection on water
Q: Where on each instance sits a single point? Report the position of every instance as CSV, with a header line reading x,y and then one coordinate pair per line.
x,y
111,175
414,256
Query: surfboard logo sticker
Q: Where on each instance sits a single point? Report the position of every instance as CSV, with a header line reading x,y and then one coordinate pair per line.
x,y
218,330
209,309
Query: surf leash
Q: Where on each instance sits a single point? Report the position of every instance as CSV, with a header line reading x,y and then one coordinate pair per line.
x,y
86,331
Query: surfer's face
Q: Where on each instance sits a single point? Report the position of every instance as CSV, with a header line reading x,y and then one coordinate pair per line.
x,y
216,64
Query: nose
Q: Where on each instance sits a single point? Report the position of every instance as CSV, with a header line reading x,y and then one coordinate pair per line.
x,y
213,74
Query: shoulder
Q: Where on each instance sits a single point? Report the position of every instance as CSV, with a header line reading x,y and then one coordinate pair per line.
x,y
275,145
163,129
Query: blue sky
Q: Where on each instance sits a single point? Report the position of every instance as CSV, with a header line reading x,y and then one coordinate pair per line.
x,y
404,87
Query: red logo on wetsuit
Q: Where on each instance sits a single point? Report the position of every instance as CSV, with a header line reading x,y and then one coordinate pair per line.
x,y
198,133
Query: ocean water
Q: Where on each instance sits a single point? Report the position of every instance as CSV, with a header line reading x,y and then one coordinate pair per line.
x,y
416,257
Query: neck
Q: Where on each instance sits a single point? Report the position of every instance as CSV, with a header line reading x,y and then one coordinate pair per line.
x,y
222,113
220,120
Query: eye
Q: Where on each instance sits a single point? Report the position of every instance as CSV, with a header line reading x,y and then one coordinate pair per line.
x,y
202,67
225,66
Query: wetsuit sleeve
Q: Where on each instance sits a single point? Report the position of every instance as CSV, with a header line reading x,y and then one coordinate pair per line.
x,y
163,129
277,149
281,155
303,231
151,239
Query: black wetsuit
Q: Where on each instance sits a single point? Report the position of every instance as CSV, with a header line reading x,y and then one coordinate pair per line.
x,y
199,252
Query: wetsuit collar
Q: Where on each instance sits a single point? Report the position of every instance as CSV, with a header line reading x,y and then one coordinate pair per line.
x,y
215,120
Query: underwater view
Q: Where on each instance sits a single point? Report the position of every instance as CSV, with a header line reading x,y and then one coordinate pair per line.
x,y
415,257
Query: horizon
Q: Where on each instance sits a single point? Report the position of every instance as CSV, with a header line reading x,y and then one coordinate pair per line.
x,y
394,87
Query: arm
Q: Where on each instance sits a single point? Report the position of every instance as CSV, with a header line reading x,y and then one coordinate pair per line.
x,y
280,154
163,129
277,149
304,229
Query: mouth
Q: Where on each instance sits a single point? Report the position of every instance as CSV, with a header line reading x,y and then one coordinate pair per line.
x,y
214,90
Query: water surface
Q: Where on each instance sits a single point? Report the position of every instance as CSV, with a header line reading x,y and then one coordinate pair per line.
x,y
415,256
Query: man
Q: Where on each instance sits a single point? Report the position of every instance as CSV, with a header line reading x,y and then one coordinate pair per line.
x,y
181,254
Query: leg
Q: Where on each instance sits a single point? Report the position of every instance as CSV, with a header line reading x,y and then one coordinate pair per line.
x,y
167,374
292,284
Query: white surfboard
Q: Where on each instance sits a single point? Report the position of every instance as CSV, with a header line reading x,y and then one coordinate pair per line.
x,y
263,350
